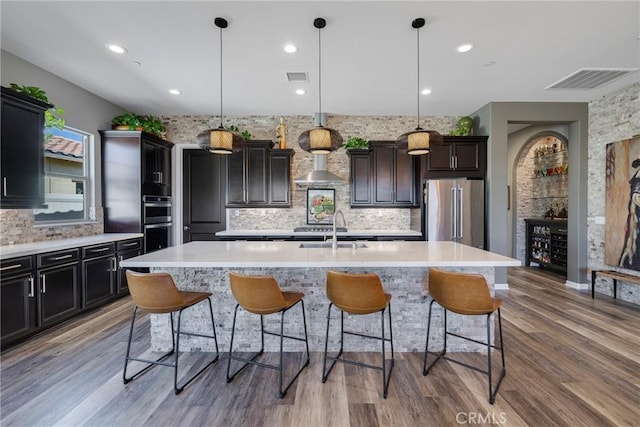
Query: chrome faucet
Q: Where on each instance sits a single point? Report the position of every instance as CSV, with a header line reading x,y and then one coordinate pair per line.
x,y
334,242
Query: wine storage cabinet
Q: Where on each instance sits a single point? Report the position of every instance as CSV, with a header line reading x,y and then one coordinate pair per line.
x,y
547,244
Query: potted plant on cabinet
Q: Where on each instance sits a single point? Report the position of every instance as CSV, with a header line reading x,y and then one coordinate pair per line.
x,y
152,124
52,116
126,121
356,143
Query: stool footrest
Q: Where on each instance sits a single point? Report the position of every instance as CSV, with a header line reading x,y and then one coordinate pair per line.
x,y
357,334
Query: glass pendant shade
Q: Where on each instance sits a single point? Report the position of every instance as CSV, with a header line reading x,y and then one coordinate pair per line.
x,y
320,140
219,141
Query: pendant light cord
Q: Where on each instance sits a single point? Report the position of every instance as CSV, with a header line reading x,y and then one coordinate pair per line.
x,y
221,77
418,76
319,78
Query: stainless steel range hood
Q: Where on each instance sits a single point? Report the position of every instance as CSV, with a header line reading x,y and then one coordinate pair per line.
x,y
319,174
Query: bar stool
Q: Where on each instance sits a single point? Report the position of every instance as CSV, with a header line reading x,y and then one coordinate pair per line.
x,y
157,293
468,295
358,294
261,295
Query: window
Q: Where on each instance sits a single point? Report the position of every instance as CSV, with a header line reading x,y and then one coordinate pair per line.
x,y
68,186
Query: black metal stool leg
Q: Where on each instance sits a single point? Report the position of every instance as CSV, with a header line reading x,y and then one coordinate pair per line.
x,y
425,368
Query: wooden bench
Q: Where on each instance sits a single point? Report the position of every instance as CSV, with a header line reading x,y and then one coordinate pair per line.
x,y
615,276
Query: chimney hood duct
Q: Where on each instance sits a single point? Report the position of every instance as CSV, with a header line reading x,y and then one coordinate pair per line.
x,y
319,174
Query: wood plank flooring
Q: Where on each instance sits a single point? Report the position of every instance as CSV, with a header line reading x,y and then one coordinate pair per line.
x,y
571,361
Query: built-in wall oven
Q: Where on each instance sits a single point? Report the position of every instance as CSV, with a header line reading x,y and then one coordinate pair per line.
x,y
157,222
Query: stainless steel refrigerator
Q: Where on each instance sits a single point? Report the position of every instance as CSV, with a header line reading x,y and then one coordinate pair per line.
x,y
454,210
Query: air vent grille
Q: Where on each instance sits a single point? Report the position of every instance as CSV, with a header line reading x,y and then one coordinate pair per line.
x,y
590,78
297,77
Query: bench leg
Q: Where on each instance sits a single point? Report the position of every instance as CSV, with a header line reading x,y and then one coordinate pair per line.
x,y
593,284
615,288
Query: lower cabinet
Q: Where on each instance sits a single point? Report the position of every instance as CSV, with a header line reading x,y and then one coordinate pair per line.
x,y
98,274
39,291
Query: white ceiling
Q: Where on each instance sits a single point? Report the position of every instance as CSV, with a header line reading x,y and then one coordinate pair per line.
x,y
368,52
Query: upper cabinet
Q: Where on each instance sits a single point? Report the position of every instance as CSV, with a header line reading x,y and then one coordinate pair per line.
x,y
457,156
383,177
22,156
259,176
156,166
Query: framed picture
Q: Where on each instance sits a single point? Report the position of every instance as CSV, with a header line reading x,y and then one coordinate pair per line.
x,y
320,205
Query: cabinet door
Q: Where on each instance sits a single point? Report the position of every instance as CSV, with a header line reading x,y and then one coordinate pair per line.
x,y
360,178
467,156
236,180
384,172
98,280
405,179
440,157
22,156
59,293
150,177
280,178
256,172
18,307
163,165
122,278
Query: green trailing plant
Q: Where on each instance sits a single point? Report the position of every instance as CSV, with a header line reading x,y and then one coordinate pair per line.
x,y
53,117
245,134
131,120
152,124
356,143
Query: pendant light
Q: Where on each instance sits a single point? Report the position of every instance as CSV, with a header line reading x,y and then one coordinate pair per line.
x,y
220,140
320,140
418,140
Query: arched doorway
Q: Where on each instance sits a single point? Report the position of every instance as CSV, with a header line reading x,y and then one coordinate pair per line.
x,y
541,183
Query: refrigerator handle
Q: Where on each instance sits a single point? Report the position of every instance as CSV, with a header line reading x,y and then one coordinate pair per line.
x,y
460,212
454,214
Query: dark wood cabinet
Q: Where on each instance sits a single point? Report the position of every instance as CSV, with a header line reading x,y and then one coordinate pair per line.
x,y
18,299
457,156
259,176
126,249
99,279
22,151
546,242
58,286
383,177
134,164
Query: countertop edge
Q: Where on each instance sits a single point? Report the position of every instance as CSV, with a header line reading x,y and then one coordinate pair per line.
x,y
33,248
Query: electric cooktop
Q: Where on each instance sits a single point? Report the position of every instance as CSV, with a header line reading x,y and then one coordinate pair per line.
x,y
318,229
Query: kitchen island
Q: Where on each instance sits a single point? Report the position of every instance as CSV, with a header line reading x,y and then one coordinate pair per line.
x,y
302,266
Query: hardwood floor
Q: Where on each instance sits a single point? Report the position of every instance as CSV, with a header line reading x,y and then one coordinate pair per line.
x,y
571,361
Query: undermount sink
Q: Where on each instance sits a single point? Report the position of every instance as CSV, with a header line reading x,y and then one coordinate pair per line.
x,y
328,245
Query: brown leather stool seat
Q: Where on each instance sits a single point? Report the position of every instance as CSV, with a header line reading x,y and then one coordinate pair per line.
x,y
157,293
261,295
358,294
468,295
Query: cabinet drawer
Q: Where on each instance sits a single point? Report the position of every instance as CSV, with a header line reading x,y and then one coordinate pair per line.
x,y
98,250
12,266
59,257
129,245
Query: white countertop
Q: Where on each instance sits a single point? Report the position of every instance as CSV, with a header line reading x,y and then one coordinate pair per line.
x,y
237,254
351,233
23,249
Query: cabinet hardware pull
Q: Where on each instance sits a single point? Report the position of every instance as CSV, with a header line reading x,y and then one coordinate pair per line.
x,y
114,264
10,267
58,258
4,185
99,250
131,244
31,295
43,279
455,165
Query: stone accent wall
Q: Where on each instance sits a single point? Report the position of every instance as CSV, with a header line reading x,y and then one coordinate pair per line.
x,y
536,194
183,130
612,118
409,310
17,226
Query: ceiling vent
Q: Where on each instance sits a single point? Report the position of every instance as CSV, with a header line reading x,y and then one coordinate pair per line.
x,y
590,78
297,77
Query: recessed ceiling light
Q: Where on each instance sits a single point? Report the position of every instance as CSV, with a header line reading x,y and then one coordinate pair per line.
x,y
117,49
464,47
290,48
300,91
425,91
174,92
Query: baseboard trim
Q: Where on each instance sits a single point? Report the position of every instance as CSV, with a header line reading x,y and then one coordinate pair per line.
x,y
501,286
575,285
